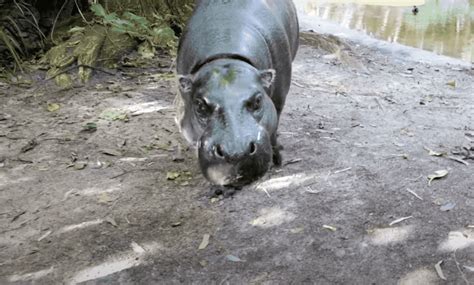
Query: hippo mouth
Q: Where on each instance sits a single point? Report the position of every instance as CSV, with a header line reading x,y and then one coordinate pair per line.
x,y
236,172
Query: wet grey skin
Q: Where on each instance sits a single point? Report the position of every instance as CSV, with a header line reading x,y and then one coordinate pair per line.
x,y
234,66
237,120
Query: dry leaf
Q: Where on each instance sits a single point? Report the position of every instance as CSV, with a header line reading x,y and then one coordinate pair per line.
x,y
53,107
451,83
439,270
105,198
80,165
114,115
171,175
90,127
297,230
233,258
111,221
331,228
29,146
438,174
137,248
205,241
111,152
434,153
447,206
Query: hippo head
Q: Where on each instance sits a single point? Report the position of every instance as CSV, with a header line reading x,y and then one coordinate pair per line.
x,y
230,117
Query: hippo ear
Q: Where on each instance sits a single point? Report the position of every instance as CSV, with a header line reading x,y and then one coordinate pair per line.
x,y
185,83
267,77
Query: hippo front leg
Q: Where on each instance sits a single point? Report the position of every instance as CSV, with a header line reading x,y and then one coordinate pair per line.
x,y
276,147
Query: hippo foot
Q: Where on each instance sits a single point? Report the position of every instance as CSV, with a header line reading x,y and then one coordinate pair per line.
x,y
226,191
277,158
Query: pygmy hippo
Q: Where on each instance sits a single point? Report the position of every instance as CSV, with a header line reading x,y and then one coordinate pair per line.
x,y
234,72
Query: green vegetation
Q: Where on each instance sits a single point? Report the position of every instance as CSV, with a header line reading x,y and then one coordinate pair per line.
x,y
11,46
99,35
157,33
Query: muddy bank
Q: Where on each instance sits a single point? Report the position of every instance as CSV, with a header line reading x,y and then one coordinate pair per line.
x,y
101,189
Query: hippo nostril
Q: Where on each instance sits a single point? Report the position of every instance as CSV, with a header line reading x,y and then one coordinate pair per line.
x,y
218,151
253,148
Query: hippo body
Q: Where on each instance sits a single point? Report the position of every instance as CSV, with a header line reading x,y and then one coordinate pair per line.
x,y
234,66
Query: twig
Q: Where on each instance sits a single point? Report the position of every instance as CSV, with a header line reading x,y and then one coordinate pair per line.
x,y
42,82
293,161
18,30
324,131
415,179
414,194
17,216
298,84
468,155
224,280
459,269
172,65
11,46
458,160
22,160
342,170
266,192
326,178
380,105
19,8
80,12
16,138
36,24
124,173
56,19
79,65
400,220
311,191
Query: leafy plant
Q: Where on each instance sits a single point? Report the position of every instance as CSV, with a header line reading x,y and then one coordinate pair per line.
x,y
157,33
12,46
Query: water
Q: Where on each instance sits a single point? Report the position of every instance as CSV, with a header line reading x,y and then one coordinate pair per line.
x,y
441,26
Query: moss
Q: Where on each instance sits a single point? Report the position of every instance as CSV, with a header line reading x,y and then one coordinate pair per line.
x,y
228,78
64,81
58,56
115,45
88,50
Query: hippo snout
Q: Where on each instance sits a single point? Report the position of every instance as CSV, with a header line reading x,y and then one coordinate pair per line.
x,y
237,161
227,153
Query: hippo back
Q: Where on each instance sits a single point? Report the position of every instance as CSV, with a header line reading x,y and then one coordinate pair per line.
x,y
263,33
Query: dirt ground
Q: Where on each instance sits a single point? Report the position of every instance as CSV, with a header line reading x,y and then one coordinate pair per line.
x,y
122,200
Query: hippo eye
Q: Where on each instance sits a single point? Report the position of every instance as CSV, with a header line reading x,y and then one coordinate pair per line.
x,y
255,104
201,107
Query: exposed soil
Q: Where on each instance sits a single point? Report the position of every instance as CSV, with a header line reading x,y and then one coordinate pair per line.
x,y
126,203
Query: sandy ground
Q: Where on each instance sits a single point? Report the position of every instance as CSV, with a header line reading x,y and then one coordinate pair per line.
x,y
125,203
